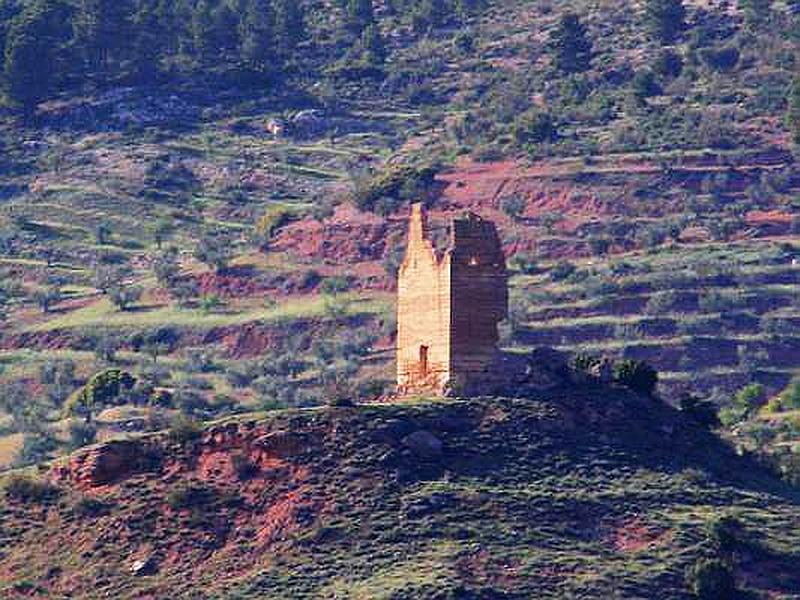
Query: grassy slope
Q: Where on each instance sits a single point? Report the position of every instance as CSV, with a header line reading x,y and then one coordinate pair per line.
x,y
104,314
591,493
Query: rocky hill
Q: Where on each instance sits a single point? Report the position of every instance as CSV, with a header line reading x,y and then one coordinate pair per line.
x,y
225,226
580,492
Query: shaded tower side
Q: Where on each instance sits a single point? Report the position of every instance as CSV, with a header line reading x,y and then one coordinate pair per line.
x,y
479,299
423,313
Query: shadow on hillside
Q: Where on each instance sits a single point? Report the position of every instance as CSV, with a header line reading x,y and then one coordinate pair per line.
x,y
647,432
772,572
142,308
613,430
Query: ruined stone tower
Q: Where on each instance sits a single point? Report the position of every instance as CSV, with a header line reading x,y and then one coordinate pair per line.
x,y
449,306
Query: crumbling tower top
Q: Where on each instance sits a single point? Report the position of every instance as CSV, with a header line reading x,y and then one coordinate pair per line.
x,y
449,306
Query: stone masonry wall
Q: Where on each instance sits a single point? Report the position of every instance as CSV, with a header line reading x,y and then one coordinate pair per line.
x,y
479,298
449,306
423,313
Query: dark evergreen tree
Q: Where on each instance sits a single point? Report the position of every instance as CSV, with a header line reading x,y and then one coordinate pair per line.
x,y
148,41
669,64
203,31
108,42
102,31
665,19
465,8
429,14
793,114
35,52
256,34
8,10
372,43
225,32
359,15
177,18
571,45
756,12
289,25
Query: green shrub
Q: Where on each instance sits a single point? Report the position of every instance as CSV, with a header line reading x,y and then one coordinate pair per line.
x,y
406,181
104,388
310,279
341,402
81,434
645,85
668,64
244,467
29,489
464,42
750,398
123,295
571,45
161,398
665,19
724,532
524,263
373,388
789,398
534,127
215,249
561,270
336,285
273,219
190,496
336,307
637,375
704,412
184,429
711,579
584,363
210,303
514,206
394,258
720,59
599,246
90,507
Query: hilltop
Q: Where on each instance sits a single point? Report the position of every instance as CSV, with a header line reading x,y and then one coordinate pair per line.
x,y
226,227
591,491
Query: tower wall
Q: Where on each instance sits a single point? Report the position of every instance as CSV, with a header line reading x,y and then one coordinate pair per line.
x,y
423,313
449,307
478,299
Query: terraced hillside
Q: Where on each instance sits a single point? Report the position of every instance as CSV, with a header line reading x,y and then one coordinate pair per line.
x,y
232,245
710,317
592,491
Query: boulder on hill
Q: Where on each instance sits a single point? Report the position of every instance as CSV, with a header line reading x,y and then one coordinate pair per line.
x,y
423,444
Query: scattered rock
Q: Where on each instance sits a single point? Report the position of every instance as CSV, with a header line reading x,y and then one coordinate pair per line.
x,y
283,444
308,122
144,566
107,463
423,444
276,127
435,502
391,430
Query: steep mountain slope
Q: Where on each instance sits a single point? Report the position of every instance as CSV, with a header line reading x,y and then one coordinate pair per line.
x,y
579,493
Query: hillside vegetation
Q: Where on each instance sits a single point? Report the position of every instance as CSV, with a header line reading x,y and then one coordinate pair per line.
x,y
211,198
591,492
